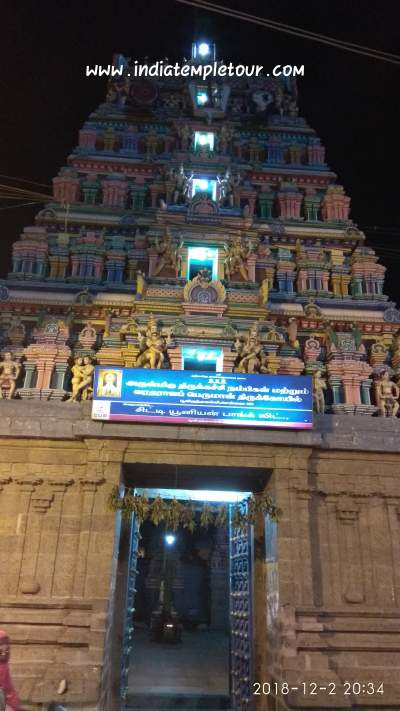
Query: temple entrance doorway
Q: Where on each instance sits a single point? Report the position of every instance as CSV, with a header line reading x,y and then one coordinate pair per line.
x,y
189,628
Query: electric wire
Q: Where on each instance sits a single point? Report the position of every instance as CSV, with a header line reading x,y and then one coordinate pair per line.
x,y
296,31
24,180
11,207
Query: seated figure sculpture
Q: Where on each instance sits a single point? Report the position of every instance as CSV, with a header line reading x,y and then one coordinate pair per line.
x,y
152,347
251,357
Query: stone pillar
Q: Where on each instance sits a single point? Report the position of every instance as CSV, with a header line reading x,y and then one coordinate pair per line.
x,y
175,357
251,267
229,359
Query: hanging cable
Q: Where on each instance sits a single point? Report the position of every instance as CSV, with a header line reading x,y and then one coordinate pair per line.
x,y
24,180
11,207
296,31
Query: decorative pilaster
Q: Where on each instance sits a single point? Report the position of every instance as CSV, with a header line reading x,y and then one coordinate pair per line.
x,y
89,488
352,576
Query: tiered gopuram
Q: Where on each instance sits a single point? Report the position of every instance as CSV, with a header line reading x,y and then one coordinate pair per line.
x,y
212,211
198,226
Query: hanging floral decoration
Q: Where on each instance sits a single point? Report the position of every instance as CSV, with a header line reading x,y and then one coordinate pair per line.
x,y
176,514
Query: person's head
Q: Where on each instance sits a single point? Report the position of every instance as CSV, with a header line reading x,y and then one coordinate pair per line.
x,y
4,647
110,379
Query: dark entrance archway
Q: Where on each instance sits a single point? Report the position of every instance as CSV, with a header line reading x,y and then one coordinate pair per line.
x,y
247,618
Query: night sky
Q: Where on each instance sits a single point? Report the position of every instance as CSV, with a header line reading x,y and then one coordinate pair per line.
x,y
351,101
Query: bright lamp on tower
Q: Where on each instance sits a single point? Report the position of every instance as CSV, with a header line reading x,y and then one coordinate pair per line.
x,y
203,51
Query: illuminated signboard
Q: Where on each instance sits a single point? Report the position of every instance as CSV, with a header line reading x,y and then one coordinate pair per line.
x,y
199,397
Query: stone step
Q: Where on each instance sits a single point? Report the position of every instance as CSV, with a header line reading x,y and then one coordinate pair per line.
x,y
178,702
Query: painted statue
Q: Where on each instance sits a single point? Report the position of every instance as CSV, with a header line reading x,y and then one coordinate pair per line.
x,y
11,699
183,184
168,255
387,396
225,137
251,358
227,186
237,254
292,333
152,347
82,379
140,284
9,372
264,290
319,387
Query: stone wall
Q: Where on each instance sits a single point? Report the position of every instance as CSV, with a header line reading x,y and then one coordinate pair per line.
x,y
334,587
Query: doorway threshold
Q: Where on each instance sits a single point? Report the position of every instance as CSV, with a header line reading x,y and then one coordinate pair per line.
x,y
180,702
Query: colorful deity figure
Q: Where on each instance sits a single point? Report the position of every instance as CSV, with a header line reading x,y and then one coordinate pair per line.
x,y
237,254
152,347
88,336
183,184
10,700
168,255
225,138
264,290
396,344
140,284
292,333
387,395
226,186
82,379
9,372
185,133
319,387
251,358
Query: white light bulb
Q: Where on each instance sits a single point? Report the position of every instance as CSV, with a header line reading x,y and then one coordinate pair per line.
x,y
204,49
169,539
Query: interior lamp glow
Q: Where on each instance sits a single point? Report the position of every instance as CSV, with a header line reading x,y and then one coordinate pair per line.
x,y
202,253
205,186
203,355
202,97
203,139
169,539
204,49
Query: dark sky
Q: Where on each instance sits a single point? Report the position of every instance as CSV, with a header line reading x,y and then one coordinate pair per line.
x,y
352,101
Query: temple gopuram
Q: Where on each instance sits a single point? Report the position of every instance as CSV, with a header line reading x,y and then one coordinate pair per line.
x,y
198,226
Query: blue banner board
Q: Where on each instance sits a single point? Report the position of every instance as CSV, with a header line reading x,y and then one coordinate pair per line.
x,y
200,397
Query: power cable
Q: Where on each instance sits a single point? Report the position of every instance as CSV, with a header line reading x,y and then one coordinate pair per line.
x,y
24,180
296,31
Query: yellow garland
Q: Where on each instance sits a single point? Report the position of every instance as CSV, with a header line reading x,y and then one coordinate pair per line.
x,y
175,514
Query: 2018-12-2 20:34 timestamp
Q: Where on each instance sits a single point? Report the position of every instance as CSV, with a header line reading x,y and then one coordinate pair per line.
x,y
311,688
